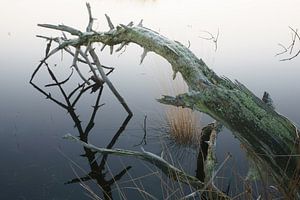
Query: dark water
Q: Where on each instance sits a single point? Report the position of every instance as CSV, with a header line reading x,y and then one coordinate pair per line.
x,y
36,162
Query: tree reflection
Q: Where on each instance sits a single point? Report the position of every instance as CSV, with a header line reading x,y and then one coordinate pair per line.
x,y
97,168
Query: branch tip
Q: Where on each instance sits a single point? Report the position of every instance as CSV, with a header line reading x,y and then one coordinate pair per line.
x,y
144,54
110,24
111,49
141,23
130,24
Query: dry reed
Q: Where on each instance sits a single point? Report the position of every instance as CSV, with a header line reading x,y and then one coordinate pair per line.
x,y
183,126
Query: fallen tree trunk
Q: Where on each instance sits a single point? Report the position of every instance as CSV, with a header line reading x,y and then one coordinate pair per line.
x,y
272,137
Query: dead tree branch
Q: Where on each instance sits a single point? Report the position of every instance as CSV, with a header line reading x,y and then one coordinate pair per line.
x,y
290,49
211,37
65,45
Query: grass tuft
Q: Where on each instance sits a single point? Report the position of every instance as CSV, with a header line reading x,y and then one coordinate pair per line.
x,y
183,126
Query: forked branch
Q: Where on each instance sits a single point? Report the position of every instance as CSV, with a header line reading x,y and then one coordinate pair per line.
x,y
64,44
290,49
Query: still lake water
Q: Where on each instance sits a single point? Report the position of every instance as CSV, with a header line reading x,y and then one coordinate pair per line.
x,y
36,161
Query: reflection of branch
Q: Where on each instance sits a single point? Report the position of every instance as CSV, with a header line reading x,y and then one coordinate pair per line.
x,y
97,170
60,83
212,38
49,96
159,162
144,140
95,109
114,140
291,47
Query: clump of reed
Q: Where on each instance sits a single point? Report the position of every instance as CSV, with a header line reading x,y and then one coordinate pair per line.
x,y
183,126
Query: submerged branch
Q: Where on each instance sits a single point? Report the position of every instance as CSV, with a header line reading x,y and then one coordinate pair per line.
x,y
168,169
159,162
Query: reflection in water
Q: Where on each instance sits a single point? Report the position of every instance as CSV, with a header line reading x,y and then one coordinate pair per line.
x,y
97,169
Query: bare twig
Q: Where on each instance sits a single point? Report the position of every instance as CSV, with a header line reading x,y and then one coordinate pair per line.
x,y
83,61
75,59
144,140
123,44
144,54
68,29
290,49
91,20
110,24
293,39
111,27
87,60
48,47
284,49
212,38
108,82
